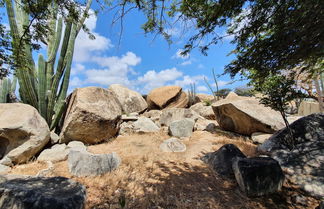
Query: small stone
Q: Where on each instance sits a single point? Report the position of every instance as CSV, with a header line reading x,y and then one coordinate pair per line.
x,y
181,128
77,145
56,153
259,137
145,125
54,138
173,145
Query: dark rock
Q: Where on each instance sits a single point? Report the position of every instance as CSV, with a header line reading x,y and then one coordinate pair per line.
x,y
258,176
304,163
41,193
221,160
321,205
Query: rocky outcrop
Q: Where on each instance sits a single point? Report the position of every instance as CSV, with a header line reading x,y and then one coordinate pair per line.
x,y
154,115
204,98
232,95
246,116
181,128
221,160
131,101
93,115
172,145
258,176
173,114
83,163
41,192
302,161
23,133
203,110
167,97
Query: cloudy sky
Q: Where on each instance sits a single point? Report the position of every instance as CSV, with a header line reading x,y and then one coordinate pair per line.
x,y
142,62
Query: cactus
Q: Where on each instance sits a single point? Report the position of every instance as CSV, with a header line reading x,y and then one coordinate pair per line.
x,y
7,90
192,94
45,86
216,96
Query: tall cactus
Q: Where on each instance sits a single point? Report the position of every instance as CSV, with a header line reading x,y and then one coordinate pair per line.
x,y
7,89
45,86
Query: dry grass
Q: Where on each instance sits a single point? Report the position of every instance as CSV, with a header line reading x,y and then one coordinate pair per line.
x,y
149,178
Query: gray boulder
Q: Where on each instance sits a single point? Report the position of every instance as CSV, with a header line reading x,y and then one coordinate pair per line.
x,y
173,114
145,125
221,160
172,145
258,176
181,128
41,192
203,110
131,101
83,163
303,162
23,133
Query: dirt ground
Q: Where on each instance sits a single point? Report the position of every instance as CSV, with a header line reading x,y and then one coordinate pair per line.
x,y
149,178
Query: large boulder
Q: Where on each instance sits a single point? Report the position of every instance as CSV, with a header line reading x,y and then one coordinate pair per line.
x,y
172,145
221,160
258,176
246,115
203,110
181,128
93,115
308,107
302,161
145,125
173,114
167,97
131,101
41,192
23,133
83,163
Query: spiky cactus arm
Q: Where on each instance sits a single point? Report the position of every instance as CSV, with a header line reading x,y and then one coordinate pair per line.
x,y
42,86
4,90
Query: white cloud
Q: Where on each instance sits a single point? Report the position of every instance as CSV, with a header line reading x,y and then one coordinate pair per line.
x,y
116,70
188,62
202,88
85,47
222,83
77,69
75,82
152,79
178,55
187,80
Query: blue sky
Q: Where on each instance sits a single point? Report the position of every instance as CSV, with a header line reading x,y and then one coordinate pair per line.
x,y
142,62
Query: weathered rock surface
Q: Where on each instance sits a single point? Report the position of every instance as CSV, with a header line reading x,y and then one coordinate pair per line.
x,y
23,133
154,115
203,110
232,95
205,98
131,101
246,116
308,107
41,192
83,163
203,124
258,176
4,168
145,125
93,115
181,128
59,152
221,160
173,114
172,145
303,164
54,138
166,97
259,137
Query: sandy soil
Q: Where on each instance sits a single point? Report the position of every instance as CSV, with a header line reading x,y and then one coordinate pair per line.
x,y
149,178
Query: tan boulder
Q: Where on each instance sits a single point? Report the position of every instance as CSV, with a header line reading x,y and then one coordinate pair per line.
x,y
23,133
246,115
308,107
232,95
174,114
205,98
131,101
203,110
167,97
93,115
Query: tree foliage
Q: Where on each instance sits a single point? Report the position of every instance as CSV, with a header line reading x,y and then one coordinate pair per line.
x,y
223,92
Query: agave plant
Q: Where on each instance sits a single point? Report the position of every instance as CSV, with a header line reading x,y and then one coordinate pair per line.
x,y
45,86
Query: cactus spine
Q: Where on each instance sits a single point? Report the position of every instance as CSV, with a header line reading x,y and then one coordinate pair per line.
x,y
45,86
